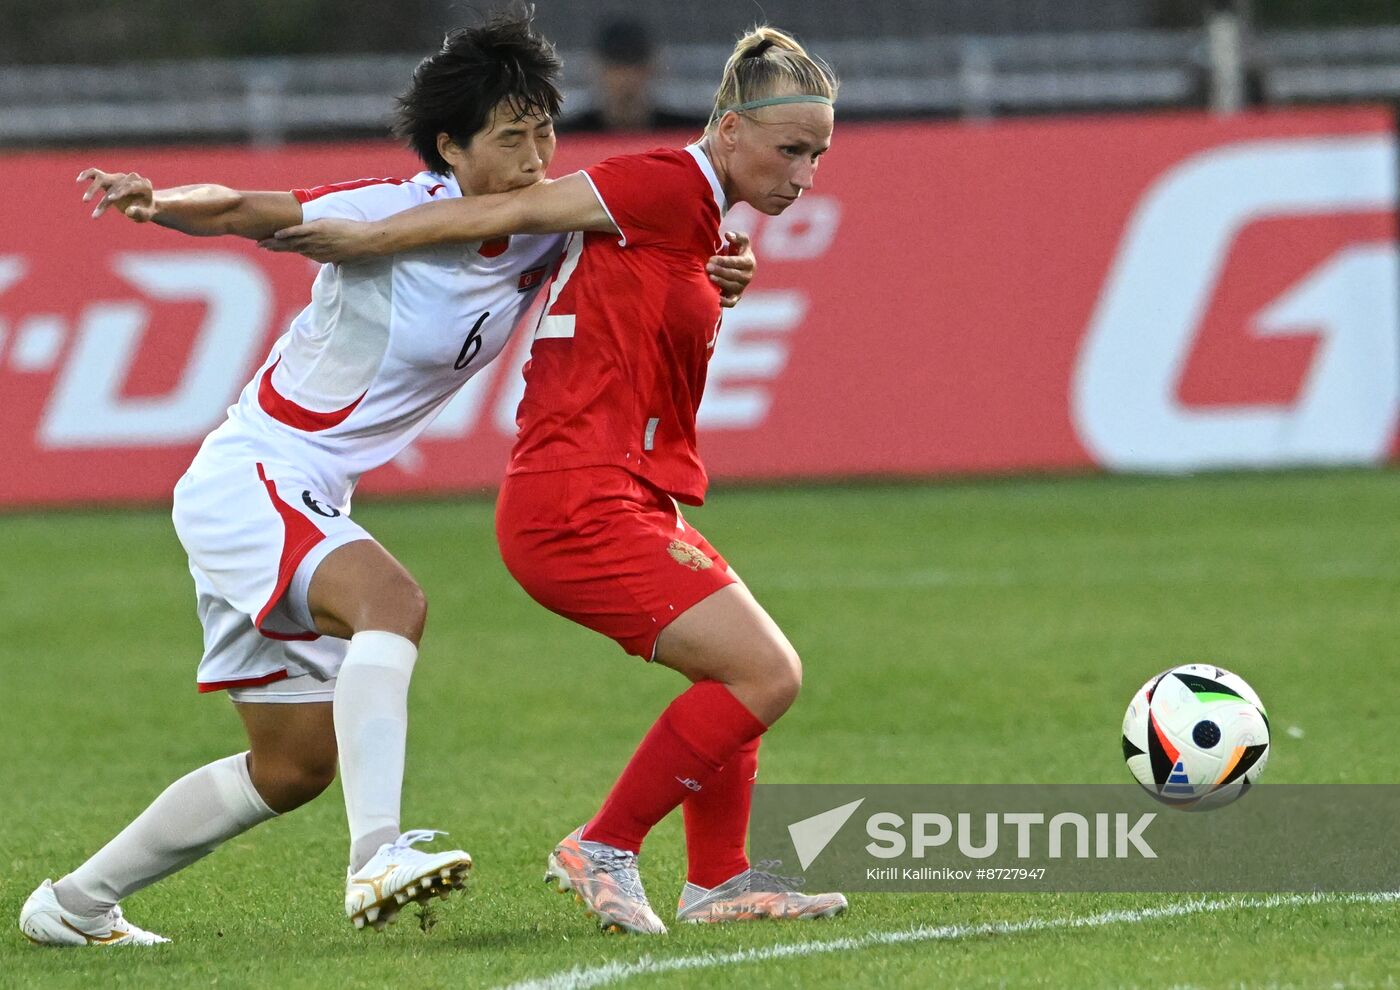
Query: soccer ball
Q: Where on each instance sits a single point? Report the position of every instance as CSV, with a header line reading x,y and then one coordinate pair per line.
x,y
1196,736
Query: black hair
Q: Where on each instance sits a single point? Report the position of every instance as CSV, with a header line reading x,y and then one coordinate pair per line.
x,y
456,88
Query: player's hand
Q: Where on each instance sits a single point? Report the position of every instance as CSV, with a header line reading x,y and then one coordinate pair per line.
x,y
128,193
326,241
733,270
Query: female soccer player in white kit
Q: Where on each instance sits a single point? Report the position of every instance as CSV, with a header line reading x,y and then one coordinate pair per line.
x,y
309,624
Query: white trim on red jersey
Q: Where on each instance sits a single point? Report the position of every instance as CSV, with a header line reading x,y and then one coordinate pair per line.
x,y
703,160
621,234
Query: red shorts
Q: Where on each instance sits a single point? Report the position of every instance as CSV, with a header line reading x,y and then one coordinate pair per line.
x,y
606,549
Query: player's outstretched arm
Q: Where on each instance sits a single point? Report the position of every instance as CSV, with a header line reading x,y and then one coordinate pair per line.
x,y
201,210
545,208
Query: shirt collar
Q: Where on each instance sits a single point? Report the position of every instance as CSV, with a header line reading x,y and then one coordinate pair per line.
x,y
703,160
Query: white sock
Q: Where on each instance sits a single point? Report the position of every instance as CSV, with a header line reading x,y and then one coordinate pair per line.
x,y
189,819
371,730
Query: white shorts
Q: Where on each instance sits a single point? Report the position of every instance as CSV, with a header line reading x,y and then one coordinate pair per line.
x,y
297,690
255,532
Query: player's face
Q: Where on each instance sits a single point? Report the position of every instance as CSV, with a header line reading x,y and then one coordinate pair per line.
x,y
776,152
510,152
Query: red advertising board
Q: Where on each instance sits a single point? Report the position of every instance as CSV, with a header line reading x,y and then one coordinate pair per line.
x,y
1160,293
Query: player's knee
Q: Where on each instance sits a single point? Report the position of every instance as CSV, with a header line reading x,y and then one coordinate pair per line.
x,y
396,605
307,774
313,775
414,605
288,780
781,675
788,680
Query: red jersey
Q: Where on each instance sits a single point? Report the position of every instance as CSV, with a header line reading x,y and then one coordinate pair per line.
x,y
619,359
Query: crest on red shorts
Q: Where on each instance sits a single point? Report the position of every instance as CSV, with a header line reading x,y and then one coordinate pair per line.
x,y
685,554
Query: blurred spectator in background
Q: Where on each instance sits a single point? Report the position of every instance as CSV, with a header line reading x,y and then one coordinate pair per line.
x,y
624,75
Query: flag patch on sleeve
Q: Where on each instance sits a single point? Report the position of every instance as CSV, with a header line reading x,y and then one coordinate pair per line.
x,y
530,278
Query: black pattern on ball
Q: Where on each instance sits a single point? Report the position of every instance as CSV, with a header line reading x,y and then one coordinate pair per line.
x,y
1206,734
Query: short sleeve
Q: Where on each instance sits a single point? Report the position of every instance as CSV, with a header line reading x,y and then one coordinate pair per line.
x,y
364,199
649,197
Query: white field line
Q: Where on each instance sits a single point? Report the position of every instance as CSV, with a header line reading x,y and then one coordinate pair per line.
x,y
585,977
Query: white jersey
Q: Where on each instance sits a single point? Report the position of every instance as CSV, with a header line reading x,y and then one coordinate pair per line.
x,y
384,344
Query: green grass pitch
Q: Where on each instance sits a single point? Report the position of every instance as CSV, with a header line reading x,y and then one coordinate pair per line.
x,y
969,632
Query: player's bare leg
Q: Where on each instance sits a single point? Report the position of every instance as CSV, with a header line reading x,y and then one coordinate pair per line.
x,y
729,638
361,593
291,759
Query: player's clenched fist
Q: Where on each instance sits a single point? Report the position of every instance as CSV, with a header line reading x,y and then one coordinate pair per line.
x,y
733,268
130,194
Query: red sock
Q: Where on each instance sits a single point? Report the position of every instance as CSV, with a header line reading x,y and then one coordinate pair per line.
x,y
697,734
717,820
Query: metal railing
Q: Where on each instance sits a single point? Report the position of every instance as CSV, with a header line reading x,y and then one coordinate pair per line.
x,y
269,100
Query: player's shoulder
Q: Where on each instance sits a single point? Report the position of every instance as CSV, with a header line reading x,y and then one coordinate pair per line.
x,y
435,185
374,198
667,156
309,193
657,160
671,179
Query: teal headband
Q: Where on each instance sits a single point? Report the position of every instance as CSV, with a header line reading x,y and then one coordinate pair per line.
x,y
774,101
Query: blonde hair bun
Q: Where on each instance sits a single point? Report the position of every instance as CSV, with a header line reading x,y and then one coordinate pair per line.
x,y
768,63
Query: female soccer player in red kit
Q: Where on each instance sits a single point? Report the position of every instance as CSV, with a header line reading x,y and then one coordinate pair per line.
x,y
588,520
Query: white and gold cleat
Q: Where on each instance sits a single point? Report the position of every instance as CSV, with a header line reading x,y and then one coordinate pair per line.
x,y
44,921
398,874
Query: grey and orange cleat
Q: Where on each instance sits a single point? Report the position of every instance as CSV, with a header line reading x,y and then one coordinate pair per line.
x,y
605,881
398,874
755,895
44,921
